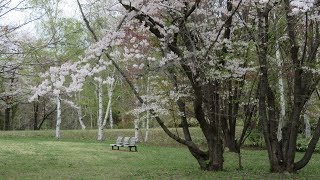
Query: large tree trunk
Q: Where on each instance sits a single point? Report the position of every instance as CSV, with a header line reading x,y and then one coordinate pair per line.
x,y
215,152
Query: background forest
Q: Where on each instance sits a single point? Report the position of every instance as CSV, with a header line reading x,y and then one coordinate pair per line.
x,y
51,35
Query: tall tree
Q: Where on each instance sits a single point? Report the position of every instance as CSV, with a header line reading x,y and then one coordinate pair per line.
x,y
191,54
303,82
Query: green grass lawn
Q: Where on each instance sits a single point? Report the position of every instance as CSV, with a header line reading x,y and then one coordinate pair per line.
x,y
44,158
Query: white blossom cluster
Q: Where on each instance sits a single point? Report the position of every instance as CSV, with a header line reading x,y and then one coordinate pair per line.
x,y
301,6
315,70
67,78
110,39
152,102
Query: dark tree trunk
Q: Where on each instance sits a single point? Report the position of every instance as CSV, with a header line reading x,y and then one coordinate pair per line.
x,y
7,119
215,146
1,122
35,115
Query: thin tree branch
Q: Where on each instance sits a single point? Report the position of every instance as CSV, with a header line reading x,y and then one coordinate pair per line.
x,y
221,28
46,117
87,22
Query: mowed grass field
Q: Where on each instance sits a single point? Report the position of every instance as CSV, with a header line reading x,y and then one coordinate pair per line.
x,y
27,155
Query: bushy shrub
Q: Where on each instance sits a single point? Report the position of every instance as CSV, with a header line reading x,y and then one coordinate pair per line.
x,y
255,139
302,144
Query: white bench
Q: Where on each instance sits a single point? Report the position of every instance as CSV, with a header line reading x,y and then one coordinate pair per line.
x,y
132,144
120,143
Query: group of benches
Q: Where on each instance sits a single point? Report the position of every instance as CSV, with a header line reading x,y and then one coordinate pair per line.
x,y
125,142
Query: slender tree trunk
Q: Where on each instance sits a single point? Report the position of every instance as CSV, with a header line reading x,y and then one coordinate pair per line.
x,y
281,91
136,116
148,113
147,127
83,127
91,120
100,106
111,118
107,114
109,109
307,126
58,102
79,111
110,94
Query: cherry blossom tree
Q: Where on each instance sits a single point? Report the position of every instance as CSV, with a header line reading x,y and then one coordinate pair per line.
x,y
205,73
55,85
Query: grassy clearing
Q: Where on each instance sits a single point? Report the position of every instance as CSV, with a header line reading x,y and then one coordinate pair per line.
x,y
157,136
29,155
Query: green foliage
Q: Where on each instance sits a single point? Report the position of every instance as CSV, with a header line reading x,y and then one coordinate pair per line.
x,y
255,139
302,145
